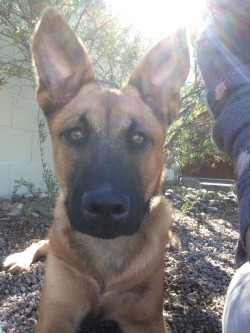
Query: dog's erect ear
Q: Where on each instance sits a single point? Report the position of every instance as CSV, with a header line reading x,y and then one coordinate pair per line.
x,y
161,73
61,62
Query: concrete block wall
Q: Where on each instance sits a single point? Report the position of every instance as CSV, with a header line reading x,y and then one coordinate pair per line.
x,y
19,149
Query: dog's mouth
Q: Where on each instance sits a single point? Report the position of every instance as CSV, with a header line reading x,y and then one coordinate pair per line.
x,y
102,230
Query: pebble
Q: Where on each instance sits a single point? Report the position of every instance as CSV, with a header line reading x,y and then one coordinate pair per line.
x,y
206,201
191,197
28,196
211,209
43,195
35,215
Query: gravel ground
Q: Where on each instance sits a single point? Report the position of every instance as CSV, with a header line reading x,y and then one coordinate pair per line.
x,y
197,275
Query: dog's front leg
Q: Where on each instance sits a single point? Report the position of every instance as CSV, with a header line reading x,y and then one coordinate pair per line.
x,y
68,296
19,262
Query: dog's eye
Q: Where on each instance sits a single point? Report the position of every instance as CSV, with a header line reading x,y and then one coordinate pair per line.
x,y
138,138
76,135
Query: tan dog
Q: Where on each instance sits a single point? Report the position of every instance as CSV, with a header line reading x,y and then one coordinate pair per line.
x,y
107,243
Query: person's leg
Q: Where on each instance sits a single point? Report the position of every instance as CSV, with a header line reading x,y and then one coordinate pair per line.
x,y
236,316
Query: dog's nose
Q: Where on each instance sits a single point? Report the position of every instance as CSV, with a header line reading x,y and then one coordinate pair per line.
x,y
105,206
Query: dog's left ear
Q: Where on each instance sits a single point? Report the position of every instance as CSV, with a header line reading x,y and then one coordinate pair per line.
x,y
61,62
160,75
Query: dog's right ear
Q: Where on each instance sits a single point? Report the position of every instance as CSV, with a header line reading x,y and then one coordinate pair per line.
x,y
161,73
61,62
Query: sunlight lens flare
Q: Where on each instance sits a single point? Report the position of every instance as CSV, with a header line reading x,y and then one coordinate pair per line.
x,y
158,17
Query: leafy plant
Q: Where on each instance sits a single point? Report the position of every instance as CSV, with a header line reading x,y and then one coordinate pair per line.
x,y
49,178
113,48
41,206
189,137
187,207
26,183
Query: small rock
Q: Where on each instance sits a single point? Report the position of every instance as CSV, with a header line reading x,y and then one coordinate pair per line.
x,y
178,307
194,210
231,196
211,203
177,197
19,206
211,209
28,196
191,301
235,201
43,195
169,195
5,219
16,210
6,205
191,197
202,206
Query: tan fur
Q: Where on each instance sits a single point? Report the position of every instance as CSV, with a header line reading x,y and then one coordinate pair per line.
x,y
88,277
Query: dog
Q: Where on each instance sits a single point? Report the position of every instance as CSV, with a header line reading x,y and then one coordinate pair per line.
x,y
105,253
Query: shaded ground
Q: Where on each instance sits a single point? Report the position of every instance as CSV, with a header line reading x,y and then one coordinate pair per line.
x,y
197,276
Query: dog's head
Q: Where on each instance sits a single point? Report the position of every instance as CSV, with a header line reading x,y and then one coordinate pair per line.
x,y
107,144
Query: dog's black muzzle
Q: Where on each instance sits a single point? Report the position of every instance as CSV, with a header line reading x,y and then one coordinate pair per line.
x,y
105,212
106,204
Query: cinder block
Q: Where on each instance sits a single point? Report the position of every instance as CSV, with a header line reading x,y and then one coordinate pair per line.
x,y
21,87
25,114
4,179
15,145
27,171
36,153
5,108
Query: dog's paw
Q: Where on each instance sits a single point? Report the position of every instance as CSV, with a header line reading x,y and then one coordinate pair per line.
x,y
16,263
174,241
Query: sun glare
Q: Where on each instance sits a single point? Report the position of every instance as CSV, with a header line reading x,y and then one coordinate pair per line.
x,y
158,17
